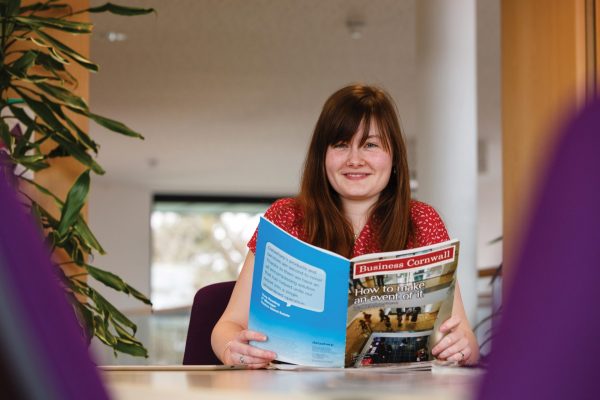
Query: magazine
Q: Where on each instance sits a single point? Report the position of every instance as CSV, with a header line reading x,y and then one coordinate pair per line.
x,y
320,309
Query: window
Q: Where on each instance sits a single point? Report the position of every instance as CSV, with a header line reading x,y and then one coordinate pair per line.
x,y
198,241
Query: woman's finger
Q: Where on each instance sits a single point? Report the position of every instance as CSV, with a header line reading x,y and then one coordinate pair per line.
x,y
461,356
260,353
246,360
450,324
445,342
246,336
245,349
249,350
456,348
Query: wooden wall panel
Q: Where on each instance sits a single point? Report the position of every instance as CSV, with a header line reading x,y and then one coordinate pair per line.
x,y
64,171
543,81
597,43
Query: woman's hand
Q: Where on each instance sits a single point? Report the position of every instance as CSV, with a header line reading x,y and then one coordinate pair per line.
x,y
455,345
239,352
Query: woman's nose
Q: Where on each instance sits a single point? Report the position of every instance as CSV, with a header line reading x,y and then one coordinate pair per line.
x,y
355,158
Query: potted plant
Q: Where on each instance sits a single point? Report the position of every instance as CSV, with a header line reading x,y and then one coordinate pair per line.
x,y
37,105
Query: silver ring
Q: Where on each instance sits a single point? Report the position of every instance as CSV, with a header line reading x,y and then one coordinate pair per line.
x,y
242,361
463,355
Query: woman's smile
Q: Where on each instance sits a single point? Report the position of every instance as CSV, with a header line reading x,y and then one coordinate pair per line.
x,y
359,171
355,176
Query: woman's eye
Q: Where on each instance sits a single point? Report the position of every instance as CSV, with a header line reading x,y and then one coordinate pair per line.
x,y
371,145
340,145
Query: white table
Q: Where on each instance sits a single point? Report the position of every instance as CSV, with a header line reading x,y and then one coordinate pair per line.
x,y
183,382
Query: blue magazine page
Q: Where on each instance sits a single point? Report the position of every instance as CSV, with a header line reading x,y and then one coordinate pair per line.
x,y
299,299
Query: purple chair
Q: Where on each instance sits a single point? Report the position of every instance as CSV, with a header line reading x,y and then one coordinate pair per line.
x,y
547,344
209,304
43,354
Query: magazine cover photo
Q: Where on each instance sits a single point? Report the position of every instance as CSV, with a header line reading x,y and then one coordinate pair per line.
x,y
392,312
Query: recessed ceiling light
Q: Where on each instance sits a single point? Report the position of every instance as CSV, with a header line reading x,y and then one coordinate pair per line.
x,y
355,27
116,36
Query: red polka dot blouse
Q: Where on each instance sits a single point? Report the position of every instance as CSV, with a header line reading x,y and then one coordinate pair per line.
x,y
429,227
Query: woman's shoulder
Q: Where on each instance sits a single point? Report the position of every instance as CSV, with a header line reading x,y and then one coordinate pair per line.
x,y
421,210
283,206
284,212
428,225
285,202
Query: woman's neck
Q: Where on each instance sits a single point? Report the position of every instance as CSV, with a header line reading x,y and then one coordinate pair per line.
x,y
357,213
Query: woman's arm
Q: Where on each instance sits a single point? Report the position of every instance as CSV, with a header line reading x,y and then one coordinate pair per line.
x,y
459,342
230,335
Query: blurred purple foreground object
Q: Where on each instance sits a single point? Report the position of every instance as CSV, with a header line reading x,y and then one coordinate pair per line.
x,y
547,344
40,340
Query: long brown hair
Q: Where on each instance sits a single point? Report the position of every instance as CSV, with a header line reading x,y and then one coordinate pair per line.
x,y
324,222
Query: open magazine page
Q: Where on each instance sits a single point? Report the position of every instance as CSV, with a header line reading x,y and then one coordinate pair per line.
x,y
298,299
376,368
396,301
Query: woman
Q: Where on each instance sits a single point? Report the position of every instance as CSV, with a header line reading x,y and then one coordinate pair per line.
x,y
354,199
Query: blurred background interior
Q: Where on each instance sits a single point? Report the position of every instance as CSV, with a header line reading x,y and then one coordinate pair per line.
x,y
227,93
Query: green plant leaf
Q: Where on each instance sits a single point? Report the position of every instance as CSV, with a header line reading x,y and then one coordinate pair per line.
x,y
131,349
45,191
11,7
84,137
23,144
30,78
113,125
23,117
24,62
111,280
138,295
122,332
67,51
30,159
56,130
64,95
58,152
48,62
34,162
5,137
73,149
55,23
105,306
121,10
105,277
495,240
56,56
74,249
74,203
80,155
47,219
101,331
41,6
86,235
43,110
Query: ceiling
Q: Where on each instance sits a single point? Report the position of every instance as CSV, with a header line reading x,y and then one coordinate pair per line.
x,y
226,92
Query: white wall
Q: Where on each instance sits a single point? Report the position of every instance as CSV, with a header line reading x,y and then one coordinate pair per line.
x,y
489,216
119,215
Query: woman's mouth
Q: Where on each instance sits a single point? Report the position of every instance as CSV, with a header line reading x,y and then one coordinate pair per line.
x,y
356,175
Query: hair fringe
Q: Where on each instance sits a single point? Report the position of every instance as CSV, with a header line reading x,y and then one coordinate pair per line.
x,y
324,223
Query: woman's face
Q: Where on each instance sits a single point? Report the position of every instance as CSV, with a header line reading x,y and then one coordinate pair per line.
x,y
359,172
